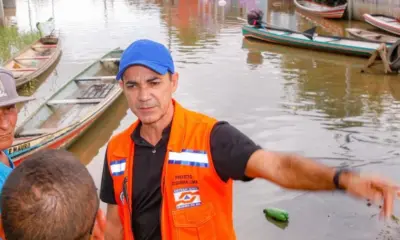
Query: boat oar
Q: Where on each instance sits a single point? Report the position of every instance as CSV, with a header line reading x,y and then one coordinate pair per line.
x,y
309,33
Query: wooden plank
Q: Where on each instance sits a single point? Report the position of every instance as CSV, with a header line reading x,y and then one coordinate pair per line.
x,y
39,131
1,14
95,78
74,101
110,60
45,46
24,69
369,35
97,91
32,58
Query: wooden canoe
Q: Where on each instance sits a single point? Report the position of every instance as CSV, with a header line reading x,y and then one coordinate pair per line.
x,y
34,60
320,9
347,46
332,27
372,36
70,111
387,23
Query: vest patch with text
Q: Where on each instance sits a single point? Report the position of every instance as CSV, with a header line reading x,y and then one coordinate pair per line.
x,y
194,158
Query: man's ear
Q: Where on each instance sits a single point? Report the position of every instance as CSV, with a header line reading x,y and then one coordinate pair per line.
x,y
175,80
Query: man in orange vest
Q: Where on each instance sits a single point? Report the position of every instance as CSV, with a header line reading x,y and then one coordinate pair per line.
x,y
169,175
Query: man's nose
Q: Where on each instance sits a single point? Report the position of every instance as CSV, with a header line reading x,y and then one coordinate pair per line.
x,y
144,94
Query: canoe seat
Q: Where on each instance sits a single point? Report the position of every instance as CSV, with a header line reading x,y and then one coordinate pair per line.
x,y
334,40
24,69
74,101
94,78
97,91
45,46
35,132
109,60
32,58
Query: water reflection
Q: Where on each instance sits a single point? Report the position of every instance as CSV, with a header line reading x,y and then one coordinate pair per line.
x,y
88,148
285,99
323,84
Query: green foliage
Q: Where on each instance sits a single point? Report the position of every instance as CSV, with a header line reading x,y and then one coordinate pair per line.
x,y
12,41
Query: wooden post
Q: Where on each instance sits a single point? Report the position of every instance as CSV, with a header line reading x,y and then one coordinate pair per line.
x,y
1,14
382,52
9,4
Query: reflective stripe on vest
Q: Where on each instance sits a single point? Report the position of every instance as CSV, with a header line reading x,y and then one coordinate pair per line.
x,y
196,204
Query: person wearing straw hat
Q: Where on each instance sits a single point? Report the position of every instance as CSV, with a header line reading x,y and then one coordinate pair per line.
x,y
8,119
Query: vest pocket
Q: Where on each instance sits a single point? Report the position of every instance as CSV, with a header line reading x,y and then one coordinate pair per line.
x,y
195,223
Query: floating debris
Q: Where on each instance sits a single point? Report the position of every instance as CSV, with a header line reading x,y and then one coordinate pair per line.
x,y
396,219
277,214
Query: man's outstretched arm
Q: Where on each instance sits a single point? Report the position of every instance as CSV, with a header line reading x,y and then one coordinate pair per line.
x,y
296,172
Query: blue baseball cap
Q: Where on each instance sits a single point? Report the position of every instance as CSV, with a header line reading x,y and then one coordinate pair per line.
x,y
147,53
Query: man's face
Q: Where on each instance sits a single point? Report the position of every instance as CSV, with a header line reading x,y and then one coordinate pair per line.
x,y
148,93
8,120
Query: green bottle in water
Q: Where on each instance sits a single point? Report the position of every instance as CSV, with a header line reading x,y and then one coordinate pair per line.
x,y
277,214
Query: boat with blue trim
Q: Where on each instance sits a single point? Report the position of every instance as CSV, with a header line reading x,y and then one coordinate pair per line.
x,y
310,40
69,112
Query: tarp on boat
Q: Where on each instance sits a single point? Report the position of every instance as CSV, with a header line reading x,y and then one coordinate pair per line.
x,y
46,28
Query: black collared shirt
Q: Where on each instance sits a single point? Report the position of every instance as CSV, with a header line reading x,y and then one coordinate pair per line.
x,y
230,150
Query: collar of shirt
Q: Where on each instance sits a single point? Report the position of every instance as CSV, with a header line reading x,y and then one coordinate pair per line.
x,y
12,166
138,140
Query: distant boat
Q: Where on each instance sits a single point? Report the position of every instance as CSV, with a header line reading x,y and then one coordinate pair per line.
x,y
372,36
69,112
387,23
320,9
333,27
32,61
347,46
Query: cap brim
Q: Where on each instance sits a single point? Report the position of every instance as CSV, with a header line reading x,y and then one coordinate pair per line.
x,y
153,66
16,100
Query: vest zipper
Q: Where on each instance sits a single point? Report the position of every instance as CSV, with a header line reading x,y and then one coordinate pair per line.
x,y
125,191
126,196
161,208
163,173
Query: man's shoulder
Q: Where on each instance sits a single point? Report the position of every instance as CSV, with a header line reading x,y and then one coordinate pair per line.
x,y
10,162
4,172
118,144
225,131
123,134
197,116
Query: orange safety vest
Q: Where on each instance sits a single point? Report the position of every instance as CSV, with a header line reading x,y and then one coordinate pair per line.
x,y
196,203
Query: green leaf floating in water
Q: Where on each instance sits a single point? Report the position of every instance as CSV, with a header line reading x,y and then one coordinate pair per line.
x,y
396,219
277,214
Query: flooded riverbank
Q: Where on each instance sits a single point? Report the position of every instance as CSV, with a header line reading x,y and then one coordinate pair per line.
x,y
12,41
387,7
312,103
